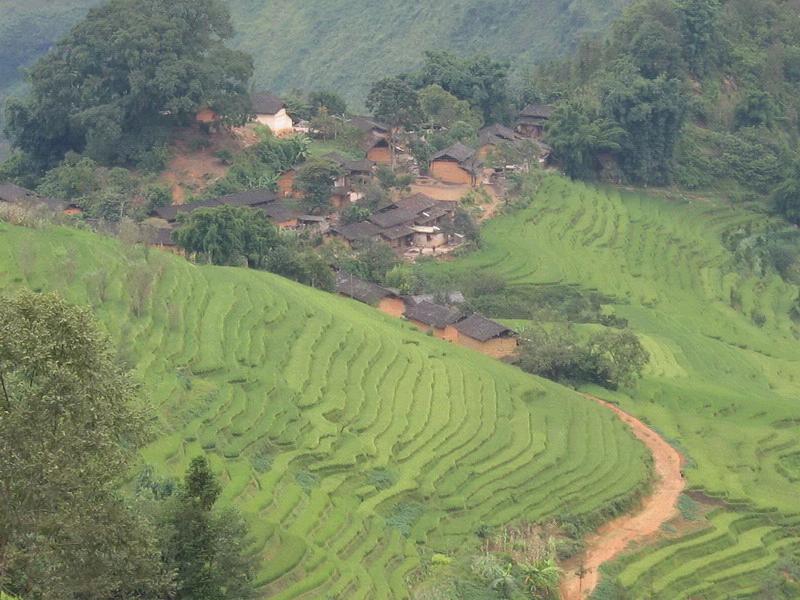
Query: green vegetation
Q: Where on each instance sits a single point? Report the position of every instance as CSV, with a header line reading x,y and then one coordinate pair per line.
x,y
168,60
70,426
706,92
719,323
355,447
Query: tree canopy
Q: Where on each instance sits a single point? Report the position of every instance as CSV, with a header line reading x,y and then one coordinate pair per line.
x,y
123,74
70,425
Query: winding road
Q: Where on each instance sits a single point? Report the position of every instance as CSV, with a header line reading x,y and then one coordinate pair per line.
x,y
615,536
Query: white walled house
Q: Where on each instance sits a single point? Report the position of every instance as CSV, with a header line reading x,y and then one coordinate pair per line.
x,y
271,111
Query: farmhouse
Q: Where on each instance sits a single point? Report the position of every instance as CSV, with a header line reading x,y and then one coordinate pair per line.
x,y
437,319
25,198
357,232
382,298
486,336
456,164
257,198
494,135
271,111
532,119
376,139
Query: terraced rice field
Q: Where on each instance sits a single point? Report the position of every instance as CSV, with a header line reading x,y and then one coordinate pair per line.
x,y
355,445
724,389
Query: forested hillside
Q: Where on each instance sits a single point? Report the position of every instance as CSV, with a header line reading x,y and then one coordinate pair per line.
x,y
340,44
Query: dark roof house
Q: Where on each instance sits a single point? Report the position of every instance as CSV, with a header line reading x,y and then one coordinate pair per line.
x,y
368,124
361,290
265,103
432,314
257,198
536,112
496,134
14,194
482,329
358,232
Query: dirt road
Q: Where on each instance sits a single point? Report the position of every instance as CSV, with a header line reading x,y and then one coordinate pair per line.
x,y
615,536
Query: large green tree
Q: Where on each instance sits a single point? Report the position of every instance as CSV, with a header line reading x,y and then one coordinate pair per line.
x,y
229,235
127,71
480,80
577,138
315,180
652,113
70,425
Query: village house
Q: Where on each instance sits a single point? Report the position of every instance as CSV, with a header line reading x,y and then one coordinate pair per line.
x,y
381,298
376,139
494,135
486,336
434,318
270,110
356,233
313,223
282,216
456,164
257,198
354,172
532,120
19,196
415,221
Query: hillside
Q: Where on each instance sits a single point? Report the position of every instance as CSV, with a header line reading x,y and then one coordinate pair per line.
x,y
355,446
342,45
724,376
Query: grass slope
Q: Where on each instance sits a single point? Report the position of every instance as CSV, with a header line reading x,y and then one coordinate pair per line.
x,y
355,445
722,387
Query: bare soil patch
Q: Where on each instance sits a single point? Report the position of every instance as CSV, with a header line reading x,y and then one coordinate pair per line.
x,y
642,526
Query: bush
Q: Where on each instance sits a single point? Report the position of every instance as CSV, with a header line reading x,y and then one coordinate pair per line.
x,y
609,358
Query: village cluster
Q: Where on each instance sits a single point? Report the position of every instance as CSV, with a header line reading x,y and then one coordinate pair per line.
x,y
412,223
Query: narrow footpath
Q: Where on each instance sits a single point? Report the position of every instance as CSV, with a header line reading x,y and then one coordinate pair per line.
x,y
615,536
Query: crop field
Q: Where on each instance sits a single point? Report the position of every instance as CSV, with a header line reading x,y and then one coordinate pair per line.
x,y
724,379
355,446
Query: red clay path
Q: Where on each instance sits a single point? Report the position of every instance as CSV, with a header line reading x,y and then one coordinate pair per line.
x,y
615,536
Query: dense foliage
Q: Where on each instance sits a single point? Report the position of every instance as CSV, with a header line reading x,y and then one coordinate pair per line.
x,y
706,92
70,426
239,236
125,73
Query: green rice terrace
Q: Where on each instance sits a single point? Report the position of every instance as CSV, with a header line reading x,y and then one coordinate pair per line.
x,y
355,446
724,379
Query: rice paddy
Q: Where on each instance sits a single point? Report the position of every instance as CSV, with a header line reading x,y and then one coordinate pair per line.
x,y
724,379
355,446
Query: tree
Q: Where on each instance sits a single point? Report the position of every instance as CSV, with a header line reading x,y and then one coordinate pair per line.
x,y
479,80
786,197
652,113
699,24
395,102
70,426
618,358
577,139
228,235
372,261
441,108
333,103
130,69
756,108
205,548
316,180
